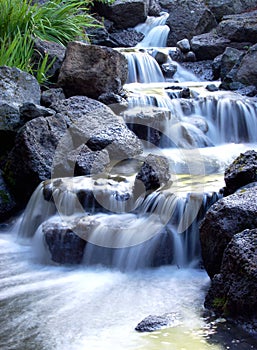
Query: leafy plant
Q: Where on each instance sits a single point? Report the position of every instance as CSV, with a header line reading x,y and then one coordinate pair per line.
x,y
21,22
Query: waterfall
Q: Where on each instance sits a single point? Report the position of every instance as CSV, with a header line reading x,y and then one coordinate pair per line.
x,y
143,68
157,37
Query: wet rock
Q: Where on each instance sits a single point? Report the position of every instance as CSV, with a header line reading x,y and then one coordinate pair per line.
x,y
239,28
7,203
224,219
212,87
187,18
55,52
152,323
241,172
124,14
147,123
154,172
92,70
168,70
18,87
233,291
116,102
64,245
202,69
190,57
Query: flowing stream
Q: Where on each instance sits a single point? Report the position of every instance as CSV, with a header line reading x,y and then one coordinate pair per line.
x,y
97,304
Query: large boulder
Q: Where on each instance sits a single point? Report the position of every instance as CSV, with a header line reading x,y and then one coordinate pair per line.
x,y
124,14
78,121
228,59
186,19
233,291
221,8
239,28
92,70
17,87
224,219
241,172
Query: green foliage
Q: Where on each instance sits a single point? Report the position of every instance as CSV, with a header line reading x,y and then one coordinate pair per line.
x,y
21,22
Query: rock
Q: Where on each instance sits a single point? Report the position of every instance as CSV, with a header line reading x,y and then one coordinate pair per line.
x,y
228,59
168,70
51,96
124,14
30,160
212,87
187,18
55,52
154,8
89,121
117,103
233,291
221,8
126,38
207,46
239,28
30,111
175,54
65,246
17,87
224,219
92,70
241,172
7,203
190,57
202,69
154,172
184,45
152,323
246,72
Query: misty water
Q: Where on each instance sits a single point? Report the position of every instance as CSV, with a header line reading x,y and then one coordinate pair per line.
x,y
96,305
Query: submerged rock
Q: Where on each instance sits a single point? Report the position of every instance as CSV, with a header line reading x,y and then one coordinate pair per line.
x,y
92,70
233,291
152,323
223,220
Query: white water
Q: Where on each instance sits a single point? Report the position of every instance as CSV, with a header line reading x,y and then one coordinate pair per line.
x,y
61,308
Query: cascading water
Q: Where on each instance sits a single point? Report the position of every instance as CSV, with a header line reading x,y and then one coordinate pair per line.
x,y
94,307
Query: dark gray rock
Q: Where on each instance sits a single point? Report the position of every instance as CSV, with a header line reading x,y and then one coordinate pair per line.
x,y
221,8
154,172
228,59
92,70
202,69
184,45
30,160
241,172
65,246
126,38
17,87
239,28
154,8
153,322
246,71
124,14
207,46
7,203
187,18
233,291
30,111
224,219
51,96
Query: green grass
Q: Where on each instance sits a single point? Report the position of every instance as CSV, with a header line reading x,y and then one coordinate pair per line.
x,y
21,22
